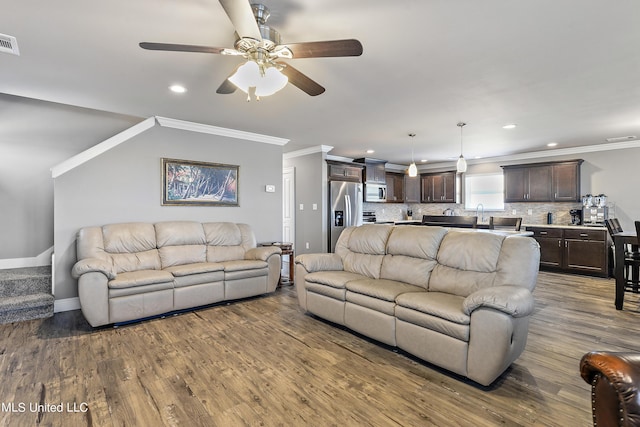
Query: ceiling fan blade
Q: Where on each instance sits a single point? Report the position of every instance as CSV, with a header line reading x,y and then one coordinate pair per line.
x,y
329,48
241,16
301,81
180,47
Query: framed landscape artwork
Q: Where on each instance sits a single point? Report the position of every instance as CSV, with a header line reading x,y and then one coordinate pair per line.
x,y
186,182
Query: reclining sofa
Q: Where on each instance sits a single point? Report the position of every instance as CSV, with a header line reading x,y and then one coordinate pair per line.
x,y
131,271
460,300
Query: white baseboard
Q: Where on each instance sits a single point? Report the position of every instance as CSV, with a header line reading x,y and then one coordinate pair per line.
x,y
67,304
37,261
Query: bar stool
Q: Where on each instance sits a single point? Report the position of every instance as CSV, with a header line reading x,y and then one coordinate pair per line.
x,y
631,257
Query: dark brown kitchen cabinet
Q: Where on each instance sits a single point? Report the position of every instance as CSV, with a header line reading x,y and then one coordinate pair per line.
x,y
395,187
527,184
411,189
339,171
573,250
374,170
438,187
542,182
566,181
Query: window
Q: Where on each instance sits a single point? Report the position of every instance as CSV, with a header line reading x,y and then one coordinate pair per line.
x,y
486,188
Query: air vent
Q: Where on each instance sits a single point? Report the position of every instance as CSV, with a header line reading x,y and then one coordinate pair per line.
x,y
621,138
9,44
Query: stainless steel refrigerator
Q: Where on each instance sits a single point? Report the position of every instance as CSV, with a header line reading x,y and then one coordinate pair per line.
x,y
345,204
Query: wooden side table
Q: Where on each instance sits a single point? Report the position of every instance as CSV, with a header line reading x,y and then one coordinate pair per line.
x,y
287,249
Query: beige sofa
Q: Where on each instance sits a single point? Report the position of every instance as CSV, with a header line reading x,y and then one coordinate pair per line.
x,y
131,271
458,299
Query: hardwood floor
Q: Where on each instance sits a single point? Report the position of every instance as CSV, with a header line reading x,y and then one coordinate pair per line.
x,y
262,362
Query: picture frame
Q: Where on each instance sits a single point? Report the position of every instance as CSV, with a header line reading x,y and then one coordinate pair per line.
x,y
194,183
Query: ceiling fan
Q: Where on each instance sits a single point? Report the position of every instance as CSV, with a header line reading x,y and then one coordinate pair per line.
x,y
264,73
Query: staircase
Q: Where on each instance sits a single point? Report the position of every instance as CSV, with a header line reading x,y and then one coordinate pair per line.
x,y
25,294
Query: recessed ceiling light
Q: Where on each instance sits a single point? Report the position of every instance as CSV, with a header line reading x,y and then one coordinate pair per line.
x,y
371,151
552,144
177,88
509,126
424,160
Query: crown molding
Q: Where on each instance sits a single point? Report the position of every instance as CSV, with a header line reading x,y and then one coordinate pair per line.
x,y
307,151
102,147
539,154
216,130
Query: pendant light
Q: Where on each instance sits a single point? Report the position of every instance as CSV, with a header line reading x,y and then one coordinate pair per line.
x,y
413,169
461,166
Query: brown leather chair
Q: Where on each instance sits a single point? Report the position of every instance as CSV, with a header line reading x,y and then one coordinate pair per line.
x,y
615,382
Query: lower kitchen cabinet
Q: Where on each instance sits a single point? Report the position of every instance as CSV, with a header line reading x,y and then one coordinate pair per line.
x,y
573,250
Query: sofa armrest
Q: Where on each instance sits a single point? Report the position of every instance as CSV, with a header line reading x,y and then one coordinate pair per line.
x,y
615,385
262,253
320,262
515,301
91,265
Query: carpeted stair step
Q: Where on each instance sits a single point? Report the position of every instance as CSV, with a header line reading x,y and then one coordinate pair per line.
x,y
25,281
25,294
26,307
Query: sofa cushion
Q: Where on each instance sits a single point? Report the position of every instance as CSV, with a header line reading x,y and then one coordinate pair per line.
x,y
436,311
416,241
140,278
415,271
180,242
382,289
222,234
176,233
473,251
243,264
128,237
334,279
131,246
467,261
362,249
195,268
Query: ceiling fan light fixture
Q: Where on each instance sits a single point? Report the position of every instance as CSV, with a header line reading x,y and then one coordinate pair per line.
x,y
272,82
266,82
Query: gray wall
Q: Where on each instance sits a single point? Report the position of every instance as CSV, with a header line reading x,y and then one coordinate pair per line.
x,y
311,187
35,136
124,185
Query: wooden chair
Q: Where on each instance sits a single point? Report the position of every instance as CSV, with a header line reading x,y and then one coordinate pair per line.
x,y
631,257
450,221
499,222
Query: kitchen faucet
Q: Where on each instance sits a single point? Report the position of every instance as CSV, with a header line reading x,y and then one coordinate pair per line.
x,y
480,206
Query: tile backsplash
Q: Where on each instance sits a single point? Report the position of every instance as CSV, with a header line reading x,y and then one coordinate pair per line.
x,y
538,215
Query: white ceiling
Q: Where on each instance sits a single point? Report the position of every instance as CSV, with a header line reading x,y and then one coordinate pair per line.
x,y
565,71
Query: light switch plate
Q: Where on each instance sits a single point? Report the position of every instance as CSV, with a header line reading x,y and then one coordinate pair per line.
x,y
270,188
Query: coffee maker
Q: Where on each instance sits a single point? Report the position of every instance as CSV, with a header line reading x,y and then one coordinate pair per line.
x,y
576,216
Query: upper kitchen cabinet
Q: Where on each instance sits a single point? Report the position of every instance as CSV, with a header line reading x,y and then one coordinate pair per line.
x,y
374,171
411,189
438,187
339,171
542,182
566,181
395,187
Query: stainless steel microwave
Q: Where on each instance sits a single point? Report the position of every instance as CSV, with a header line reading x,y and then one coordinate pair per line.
x,y
375,192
